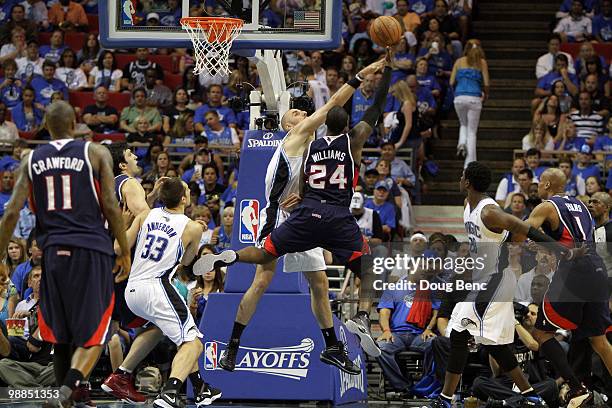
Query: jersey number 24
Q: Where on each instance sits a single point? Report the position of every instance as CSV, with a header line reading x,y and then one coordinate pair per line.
x,y
318,177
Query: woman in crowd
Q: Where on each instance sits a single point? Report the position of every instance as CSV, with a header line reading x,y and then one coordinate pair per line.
x,y
178,107
69,73
142,135
565,100
231,89
593,185
183,132
26,116
90,52
210,282
349,66
470,78
15,254
383,168
549,112
105,73
538,137
192,85
8,295
160,168
364,53
406,132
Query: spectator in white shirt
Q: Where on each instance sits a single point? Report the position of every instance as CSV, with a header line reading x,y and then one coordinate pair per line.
x,y
316,59
509,183
8,130
31,64
545,266
576,27
546,63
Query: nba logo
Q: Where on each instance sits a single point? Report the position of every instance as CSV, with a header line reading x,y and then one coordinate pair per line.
x,y
249,221
210,355
128,11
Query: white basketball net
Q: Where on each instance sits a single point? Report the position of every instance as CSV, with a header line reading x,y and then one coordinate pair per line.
x,y
211,57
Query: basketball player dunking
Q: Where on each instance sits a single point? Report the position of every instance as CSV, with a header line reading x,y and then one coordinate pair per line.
x,y
326,183
489,315
578,294
282,186
164,238
76,290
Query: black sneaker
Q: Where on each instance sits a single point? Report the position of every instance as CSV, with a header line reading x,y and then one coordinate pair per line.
x,y
360,325
168,400
338,356
208,262
207,396
534,401
440,403
228,361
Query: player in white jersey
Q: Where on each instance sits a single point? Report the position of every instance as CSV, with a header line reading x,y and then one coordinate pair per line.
x,y
164,238
282,187
488,315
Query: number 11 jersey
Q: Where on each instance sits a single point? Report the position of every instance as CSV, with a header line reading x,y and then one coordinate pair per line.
x,y
159,246
65,195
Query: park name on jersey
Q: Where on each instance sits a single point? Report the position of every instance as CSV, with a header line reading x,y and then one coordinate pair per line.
x,y
327,155
55,163
160,226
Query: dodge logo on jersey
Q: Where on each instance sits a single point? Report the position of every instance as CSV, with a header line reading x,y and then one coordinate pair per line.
x,y
249,221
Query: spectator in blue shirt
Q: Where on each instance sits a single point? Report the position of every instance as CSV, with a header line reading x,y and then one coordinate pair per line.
x,y
425,80
10,86
20,275
26,116
26,223
6,189
426,103
226,115
544,87
604,144
10,163
440,62
407,318
583,167
45,86
602,23
384,208
532,157
53,51
422,7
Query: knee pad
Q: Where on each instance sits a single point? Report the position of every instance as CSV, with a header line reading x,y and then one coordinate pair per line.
x,y
458,351
504,357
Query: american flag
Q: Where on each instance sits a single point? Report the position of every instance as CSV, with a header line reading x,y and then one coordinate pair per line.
x,y
306,19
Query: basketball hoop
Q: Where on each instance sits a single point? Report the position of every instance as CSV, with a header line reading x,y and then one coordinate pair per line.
x,y
212,39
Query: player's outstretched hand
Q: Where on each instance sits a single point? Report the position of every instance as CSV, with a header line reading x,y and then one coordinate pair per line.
x,y
290,202
372,68
123,264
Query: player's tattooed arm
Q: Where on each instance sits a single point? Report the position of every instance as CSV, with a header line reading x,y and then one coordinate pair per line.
x,y
11,214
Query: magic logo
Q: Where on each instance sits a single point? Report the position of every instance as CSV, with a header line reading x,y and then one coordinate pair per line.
x,y
289,362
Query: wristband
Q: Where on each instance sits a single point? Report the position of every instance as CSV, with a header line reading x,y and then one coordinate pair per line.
x,y
355,83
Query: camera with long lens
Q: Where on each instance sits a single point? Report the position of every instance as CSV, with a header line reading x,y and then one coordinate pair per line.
x,y
304,103
268,122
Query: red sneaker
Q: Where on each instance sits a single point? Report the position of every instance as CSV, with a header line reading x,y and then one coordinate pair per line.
x,y
122,387
82,398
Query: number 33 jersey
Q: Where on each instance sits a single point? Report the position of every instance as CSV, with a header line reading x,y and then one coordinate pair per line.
x,y
330,171
65,195
159,246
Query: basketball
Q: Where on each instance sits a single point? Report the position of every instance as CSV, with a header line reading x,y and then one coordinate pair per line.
x,y
386,31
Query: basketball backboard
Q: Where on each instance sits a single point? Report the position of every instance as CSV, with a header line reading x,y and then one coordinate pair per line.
x,y
296,24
